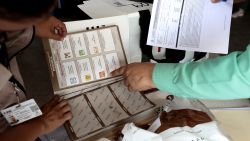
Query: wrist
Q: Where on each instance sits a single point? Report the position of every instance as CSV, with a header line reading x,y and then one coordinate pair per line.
x,y
152,85
40,124
36,30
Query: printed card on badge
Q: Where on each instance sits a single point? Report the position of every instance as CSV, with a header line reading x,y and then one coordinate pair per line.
x,y
99,66
20,113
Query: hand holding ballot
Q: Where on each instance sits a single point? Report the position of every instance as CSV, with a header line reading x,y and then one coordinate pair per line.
x,y
51,28
137,76
55,113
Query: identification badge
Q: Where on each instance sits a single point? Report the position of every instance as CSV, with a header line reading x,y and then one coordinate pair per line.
x,y
22,112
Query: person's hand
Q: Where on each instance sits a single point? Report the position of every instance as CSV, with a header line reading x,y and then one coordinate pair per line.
x,y
51,28
215,1
137,76
55,113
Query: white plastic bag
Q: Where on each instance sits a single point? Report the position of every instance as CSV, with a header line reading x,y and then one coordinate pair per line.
x,y
180,120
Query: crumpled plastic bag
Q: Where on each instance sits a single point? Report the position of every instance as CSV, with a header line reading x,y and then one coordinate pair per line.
x,y
180,120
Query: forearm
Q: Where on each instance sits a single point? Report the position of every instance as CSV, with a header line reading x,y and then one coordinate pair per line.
x,y
27,131
222,78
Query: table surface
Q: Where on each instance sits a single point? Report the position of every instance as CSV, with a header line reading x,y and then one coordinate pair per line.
x,y
235,122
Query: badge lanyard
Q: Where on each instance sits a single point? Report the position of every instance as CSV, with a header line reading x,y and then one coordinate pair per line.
x,y
21,112
16,92
5,61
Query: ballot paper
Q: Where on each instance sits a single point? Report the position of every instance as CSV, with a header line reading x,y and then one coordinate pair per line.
x,y
116,12
104,108
84,60
192,25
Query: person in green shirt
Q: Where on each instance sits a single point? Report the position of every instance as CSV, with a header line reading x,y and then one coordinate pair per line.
x,y
222,78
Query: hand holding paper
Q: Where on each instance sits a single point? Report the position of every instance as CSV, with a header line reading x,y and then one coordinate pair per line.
x,y
55,113
137,76
52,28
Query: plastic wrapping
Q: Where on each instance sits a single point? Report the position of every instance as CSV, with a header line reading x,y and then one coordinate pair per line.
x,y
179,120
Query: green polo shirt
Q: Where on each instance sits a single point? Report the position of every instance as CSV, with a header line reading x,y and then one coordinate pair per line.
x,y
226,77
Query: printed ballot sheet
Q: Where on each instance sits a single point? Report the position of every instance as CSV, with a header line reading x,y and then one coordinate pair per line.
x,y
84,120
85,58
193,25
104,107
132,101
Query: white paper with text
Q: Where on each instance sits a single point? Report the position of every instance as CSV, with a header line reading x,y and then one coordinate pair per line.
x,y
192,25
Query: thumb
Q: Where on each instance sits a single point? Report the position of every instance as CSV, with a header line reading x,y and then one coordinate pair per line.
x,y
58,33
57,37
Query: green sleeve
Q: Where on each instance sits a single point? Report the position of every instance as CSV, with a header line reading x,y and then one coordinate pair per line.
x,y
226,77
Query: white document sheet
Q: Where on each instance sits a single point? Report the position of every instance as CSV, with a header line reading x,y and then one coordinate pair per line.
x,y
92,9
120,21
112,7
192,25
134,38
120,7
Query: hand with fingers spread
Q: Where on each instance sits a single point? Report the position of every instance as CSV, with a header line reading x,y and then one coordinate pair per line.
x,y
51,28
55,113
137,76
